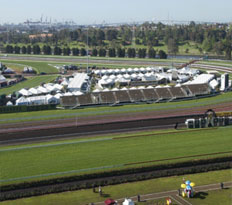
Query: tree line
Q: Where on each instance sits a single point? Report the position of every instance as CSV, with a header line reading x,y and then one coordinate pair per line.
x,y
101,52
207,37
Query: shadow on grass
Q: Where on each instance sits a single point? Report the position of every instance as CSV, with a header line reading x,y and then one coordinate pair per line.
x,y
105,195
201,195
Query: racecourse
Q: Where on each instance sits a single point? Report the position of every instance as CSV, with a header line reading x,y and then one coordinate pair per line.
x,y
19,163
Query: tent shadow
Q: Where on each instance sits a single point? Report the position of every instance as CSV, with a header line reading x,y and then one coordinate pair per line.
x,y
105,195
201,195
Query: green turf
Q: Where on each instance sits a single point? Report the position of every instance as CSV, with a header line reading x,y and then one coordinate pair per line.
x,y
215,197
39,66
30,82
82,197
60,114
83,157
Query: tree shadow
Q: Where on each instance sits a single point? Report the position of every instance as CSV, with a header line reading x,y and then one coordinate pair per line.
x,y
201,195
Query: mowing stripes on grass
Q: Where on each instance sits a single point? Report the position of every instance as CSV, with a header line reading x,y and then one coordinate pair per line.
x,y
51,145
83,156
184,157
165,133
61,173
106,167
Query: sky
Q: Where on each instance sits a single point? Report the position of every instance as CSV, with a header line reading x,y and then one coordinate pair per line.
x,y
115,11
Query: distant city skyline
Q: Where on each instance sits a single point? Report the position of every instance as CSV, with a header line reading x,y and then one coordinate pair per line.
x,y
110,11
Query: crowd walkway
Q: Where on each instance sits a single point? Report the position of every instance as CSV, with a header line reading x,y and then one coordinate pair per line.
x,y
173,194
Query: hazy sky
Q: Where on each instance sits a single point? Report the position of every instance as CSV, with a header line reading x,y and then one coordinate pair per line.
x,y
113,11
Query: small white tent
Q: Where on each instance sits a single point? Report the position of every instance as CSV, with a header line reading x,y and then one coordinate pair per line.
x,y
128,202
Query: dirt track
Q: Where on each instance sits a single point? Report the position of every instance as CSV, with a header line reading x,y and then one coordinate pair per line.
x,y
93,128
88,125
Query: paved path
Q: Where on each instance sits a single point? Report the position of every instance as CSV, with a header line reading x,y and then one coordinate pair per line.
x,y
173,194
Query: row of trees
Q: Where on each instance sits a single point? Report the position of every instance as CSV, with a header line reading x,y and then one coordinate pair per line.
x,y
102,52
208,38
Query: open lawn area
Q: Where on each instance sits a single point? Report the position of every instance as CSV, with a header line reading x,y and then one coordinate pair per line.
x,y
38,66
87,156
82,197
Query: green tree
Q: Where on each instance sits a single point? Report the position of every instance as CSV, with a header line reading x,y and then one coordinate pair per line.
x,y
66,51
131,52
75,51
9,49
28,49
94,52
142,52
36,49
57,50
121,52
24,50
47,50
112,52
102,52
83,52
151,53
162,54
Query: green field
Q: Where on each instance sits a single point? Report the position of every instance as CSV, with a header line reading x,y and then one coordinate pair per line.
x,y
81,197
61,114
38,66
30,82
93,155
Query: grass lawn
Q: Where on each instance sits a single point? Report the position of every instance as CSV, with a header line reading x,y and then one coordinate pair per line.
x,y
101,58
82,197
91,156
30,82
38,66
61,114
213,197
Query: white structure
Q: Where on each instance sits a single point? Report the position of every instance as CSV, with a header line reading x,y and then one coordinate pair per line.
x,y
2,80
80,82
213,84
25,92
22,101
224,82
128,202
9,103
201,79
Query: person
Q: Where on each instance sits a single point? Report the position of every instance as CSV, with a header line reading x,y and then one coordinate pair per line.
x,y
222,185
100,190
138,198
176,126
183,180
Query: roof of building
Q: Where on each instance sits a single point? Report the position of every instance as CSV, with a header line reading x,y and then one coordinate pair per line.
x,y
78,80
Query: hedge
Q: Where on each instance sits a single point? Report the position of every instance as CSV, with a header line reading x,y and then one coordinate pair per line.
x,y
25,108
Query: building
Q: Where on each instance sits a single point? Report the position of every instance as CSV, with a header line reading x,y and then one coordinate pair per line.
x,y
224,82
80,82
3,81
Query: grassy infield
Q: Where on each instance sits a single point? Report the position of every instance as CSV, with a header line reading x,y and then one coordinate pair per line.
x,y
46,67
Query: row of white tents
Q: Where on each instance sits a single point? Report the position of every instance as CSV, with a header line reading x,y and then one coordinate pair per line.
x,y
39,100
183,71
45,89
128,70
